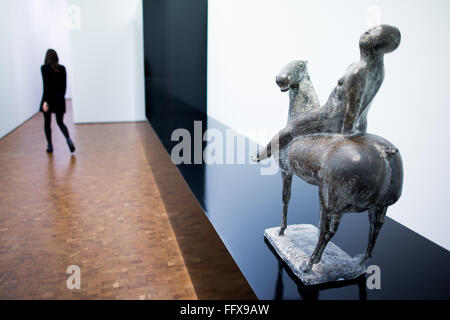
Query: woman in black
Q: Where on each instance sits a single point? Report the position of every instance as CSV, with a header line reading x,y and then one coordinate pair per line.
x,y
53,100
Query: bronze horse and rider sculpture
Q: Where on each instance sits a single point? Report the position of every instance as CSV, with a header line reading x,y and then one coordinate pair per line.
x,y
328,146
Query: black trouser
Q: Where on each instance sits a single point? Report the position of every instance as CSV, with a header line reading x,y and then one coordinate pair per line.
x,y
59,121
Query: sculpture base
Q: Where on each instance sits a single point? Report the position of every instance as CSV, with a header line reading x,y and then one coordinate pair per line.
x,y
296,247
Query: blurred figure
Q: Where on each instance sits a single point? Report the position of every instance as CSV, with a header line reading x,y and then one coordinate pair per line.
x,y
53,99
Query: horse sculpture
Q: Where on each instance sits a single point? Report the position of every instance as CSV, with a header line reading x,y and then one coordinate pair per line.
x,y
355,172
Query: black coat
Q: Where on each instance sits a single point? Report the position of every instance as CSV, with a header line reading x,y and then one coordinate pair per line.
x,y
55,83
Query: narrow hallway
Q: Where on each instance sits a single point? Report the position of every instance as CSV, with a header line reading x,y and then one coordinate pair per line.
x,y
99,209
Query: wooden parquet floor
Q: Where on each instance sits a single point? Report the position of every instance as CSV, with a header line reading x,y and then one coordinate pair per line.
x,y
118,208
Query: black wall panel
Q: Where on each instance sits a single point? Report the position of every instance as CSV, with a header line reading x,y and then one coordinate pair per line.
x,y
175,35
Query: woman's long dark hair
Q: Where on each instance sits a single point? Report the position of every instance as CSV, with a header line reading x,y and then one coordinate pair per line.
x,y
51,58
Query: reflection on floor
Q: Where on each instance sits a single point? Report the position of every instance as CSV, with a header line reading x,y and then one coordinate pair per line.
x,y
103,209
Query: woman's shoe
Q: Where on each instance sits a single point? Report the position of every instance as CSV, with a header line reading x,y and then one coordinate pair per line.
x,y
49,148
71,145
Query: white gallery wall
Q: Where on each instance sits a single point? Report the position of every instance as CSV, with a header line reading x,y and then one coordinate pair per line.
x,y
250,41
107,58
27,29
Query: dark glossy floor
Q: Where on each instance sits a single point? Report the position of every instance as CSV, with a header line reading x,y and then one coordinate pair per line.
x,y
241,203
118,208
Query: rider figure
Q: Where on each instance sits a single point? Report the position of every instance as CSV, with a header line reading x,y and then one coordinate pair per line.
x,y
346,109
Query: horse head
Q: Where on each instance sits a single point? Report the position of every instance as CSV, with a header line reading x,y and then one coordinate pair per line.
x,y
291,75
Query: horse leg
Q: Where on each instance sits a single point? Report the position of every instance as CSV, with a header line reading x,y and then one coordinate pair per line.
x,y
329,225
332,224
376,218
287,182
322,191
